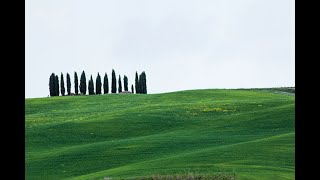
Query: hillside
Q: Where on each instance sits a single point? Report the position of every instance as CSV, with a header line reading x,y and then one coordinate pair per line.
x,y
247,132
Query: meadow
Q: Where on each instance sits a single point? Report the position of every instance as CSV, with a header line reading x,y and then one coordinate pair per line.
x,y
249,133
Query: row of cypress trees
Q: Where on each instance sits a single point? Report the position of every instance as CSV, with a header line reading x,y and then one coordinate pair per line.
x,y
140,84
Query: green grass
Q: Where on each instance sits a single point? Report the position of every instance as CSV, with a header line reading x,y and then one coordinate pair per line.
x,y
249,133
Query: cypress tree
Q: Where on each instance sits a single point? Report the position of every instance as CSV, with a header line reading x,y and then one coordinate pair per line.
x,y
98,84
83,83
113,82
63,90
52,85
56,85
140,84
125,83
144,83
105,84
91,86
68,84
137,83
132,88
76,84
120,86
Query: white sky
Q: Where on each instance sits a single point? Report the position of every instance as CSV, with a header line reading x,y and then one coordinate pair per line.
x,y
181,44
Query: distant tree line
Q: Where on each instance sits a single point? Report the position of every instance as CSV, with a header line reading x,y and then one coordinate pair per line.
x,y
56,89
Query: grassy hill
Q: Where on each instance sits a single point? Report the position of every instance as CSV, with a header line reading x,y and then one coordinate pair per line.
x,y
246,132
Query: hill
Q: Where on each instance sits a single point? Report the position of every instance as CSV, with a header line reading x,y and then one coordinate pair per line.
x,y
246,132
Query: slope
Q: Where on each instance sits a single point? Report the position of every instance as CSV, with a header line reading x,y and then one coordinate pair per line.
x,y
247,132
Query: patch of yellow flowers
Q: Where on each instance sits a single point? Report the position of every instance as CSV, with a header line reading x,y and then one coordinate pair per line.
x,y
195,110
215,109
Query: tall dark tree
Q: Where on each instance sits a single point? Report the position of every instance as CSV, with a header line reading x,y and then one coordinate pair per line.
x,y
52,80
63,90
125,83
98,84
91,86
68,84
137,83
105,84
132,88
143,82
83,83
140,84
120,86
76,83
113,82
56,85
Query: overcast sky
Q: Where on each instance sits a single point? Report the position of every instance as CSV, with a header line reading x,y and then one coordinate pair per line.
x,y
181,44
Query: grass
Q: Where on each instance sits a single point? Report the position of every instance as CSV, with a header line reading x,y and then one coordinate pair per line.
x,y
189,176
249,133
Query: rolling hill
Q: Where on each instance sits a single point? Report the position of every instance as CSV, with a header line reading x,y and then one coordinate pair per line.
x,y
248,132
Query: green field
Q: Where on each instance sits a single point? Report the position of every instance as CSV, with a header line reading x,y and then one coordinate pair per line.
x,y
250,133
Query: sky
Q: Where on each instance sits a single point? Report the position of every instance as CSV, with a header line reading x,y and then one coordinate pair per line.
x,y
180,44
